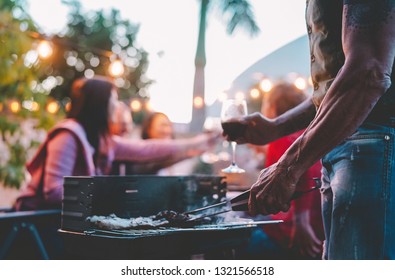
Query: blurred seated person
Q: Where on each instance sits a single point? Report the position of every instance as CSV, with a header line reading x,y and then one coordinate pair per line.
x,y
82,145
121,123
301,235
158,126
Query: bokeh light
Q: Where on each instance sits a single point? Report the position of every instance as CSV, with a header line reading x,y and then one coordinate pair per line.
x,y
53,107
116,68
265,85
15,106
44,49
300,83
254,93
30,105
135,105
198,102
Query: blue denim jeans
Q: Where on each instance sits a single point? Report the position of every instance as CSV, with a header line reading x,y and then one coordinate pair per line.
x,y
358,195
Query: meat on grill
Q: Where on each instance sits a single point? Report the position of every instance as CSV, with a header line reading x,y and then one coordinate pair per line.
x,y
174,218
113,222
166,218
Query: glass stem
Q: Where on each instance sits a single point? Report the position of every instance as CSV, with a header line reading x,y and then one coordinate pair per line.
x,y
233,153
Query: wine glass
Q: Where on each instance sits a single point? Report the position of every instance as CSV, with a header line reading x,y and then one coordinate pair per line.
x,y
232,110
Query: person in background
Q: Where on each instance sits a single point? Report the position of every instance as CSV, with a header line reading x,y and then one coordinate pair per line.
x,y
82,145
301,235
349,121
157,125
121,123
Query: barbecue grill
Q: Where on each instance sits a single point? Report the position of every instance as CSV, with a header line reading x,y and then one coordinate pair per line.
x,y
145,195
134,196
172,243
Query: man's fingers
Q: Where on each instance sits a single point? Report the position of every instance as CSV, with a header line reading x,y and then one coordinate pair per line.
x,y
267,205
252,204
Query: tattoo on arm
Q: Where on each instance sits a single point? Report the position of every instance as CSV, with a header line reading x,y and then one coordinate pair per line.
x,y
364,14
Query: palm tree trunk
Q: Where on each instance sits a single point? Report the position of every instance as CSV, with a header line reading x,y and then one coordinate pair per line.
x,y
199,114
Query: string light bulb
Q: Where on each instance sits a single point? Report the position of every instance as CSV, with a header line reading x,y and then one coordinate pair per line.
x,y
15,106
266,85
53,107
300,83
44,49
116,68
198,102
35,106
31,105
135,105
254,93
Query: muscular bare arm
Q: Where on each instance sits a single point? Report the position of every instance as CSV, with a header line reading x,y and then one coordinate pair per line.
x,y
261,130
369,47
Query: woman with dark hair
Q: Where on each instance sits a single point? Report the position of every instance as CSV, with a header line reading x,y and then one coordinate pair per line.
x,y
157,126
82,145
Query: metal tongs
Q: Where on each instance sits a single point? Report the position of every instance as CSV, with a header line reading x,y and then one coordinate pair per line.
x,y
240,202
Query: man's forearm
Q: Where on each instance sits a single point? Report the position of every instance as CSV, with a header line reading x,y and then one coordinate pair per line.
x,y
297,118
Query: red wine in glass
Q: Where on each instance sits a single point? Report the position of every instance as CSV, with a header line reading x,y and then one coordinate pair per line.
x,y
234,129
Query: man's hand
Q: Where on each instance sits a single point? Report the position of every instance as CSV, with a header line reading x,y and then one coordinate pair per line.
x,y
272,192
258,130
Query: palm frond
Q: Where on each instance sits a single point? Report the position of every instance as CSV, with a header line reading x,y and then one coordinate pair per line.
x,y
239,13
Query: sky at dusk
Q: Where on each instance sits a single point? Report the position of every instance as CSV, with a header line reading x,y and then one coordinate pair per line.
x,y
168,32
